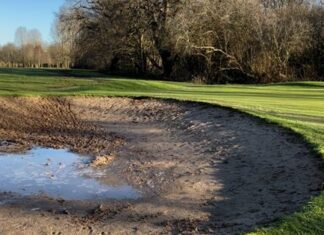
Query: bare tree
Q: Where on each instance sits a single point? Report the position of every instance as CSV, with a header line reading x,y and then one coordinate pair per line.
x,y
212,40
28,51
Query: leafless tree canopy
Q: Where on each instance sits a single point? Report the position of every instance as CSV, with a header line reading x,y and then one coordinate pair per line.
x,y
30,51
206,40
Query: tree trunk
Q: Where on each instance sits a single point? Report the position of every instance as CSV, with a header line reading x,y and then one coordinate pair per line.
x,y
114,63
167,62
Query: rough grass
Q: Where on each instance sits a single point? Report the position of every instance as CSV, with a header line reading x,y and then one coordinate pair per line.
x,y
299,106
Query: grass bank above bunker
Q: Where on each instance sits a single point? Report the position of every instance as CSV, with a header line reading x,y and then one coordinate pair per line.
x,y
206,169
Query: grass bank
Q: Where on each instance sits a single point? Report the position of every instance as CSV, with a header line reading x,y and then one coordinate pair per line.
x,y
298,106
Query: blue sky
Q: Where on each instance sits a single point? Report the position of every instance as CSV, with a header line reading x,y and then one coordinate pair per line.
x,y
31,14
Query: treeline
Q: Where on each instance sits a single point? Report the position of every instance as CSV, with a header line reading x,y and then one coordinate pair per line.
x,y
29,51
212,41
206,40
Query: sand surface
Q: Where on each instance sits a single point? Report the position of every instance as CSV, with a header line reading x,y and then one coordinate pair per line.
x,y
202,169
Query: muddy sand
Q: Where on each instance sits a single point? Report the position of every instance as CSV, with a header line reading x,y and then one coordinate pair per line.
x,y
201,169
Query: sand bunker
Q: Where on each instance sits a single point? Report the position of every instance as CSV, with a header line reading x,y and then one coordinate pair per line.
x,y
202,169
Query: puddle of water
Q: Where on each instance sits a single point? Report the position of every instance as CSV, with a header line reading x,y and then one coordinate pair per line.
x,y
59,174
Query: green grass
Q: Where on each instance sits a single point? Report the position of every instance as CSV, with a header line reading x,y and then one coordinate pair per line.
x,y
298,106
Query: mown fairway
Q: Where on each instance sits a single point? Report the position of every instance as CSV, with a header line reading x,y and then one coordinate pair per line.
x,y
299,106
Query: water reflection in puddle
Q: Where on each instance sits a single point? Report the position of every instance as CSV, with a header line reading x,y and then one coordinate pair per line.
x,y
59,174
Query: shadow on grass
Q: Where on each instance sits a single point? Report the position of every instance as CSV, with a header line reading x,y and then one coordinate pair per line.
x,y
30,72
